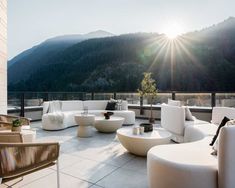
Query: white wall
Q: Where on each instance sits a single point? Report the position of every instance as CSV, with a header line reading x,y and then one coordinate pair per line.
x,y
3,56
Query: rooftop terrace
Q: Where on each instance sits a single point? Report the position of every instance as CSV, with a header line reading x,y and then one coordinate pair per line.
x,y
98,161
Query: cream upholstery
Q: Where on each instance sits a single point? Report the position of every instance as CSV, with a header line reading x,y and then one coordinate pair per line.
x,y
226,166
70,108
173,120
72,105
191,165
95,104
218,114
182,166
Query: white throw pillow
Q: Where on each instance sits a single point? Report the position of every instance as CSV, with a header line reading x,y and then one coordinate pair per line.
x,y
55,106
216,144
174,102
188,114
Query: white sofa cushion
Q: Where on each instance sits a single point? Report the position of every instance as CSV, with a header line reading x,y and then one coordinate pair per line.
x,y
216,144
173,119
69,118
199,131
53,121
226,162
95,104
72,105
188,114
182,166
218,114
174,102
46,107
124,105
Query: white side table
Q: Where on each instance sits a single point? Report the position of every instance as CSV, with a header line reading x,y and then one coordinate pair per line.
x,y
85,122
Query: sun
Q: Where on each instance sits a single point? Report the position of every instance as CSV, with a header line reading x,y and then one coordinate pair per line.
x,y
173,30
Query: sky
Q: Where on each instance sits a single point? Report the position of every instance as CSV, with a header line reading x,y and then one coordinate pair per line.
x,y
31,22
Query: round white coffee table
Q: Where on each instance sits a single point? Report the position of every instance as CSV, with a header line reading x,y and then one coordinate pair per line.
x,y
85,122
140,144
108,125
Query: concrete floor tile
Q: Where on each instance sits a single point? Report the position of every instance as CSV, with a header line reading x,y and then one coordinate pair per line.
x,y
89,170
66,181
124,178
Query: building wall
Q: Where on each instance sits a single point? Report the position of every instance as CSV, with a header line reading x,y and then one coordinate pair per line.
x,y
3,56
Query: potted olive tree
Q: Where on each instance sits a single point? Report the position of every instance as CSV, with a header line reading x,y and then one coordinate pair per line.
x,y
148,89
16,125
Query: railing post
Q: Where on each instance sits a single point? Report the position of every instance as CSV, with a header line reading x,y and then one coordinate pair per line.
x,y
92,96
22,105
141,106
47,97
213,100
173,95
115,95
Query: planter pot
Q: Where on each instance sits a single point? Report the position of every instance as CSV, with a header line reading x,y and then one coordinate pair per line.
x,y
148,127
16,129
107,115
151,120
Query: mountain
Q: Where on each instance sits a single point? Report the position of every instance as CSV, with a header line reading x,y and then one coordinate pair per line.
x,y
197,61
37,56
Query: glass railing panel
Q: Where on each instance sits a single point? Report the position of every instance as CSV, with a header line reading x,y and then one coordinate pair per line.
x,y
13,100
75,96
103,96
162,98
88,96
131,98
225,99
33,99
194,99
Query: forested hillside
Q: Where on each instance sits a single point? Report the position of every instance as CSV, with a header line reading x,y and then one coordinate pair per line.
x,y
197,61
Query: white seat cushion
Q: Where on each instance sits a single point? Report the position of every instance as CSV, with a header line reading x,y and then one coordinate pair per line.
x,y
95,104
72,105
182,166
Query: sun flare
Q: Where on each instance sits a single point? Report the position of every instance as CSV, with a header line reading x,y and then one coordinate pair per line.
x,y
173,30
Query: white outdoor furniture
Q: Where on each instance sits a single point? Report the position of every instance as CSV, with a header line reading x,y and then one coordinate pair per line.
x,y
85,122
28,134
56,119
190,164
108,125
173,120
140,144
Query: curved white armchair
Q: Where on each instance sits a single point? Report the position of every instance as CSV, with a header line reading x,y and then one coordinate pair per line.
x,y
173,120
191,165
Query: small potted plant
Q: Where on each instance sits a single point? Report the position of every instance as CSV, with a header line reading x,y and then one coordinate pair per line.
x,y
107,115
148,89
16,125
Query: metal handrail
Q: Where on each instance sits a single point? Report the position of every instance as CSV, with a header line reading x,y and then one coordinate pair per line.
x,y
22,95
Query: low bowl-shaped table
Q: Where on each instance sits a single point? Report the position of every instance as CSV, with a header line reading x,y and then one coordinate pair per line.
x,y
108,125
141,144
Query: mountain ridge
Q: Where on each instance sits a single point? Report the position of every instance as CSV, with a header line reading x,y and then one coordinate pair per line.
x,y
38,54
203,61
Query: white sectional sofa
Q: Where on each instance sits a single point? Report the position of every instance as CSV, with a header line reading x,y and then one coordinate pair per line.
x,y
190,164
56,119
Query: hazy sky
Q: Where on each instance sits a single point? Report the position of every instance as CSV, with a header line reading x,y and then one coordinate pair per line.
x,y
33,21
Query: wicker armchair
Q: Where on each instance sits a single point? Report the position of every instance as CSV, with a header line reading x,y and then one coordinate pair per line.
x,y
18,159
6,121
10,137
